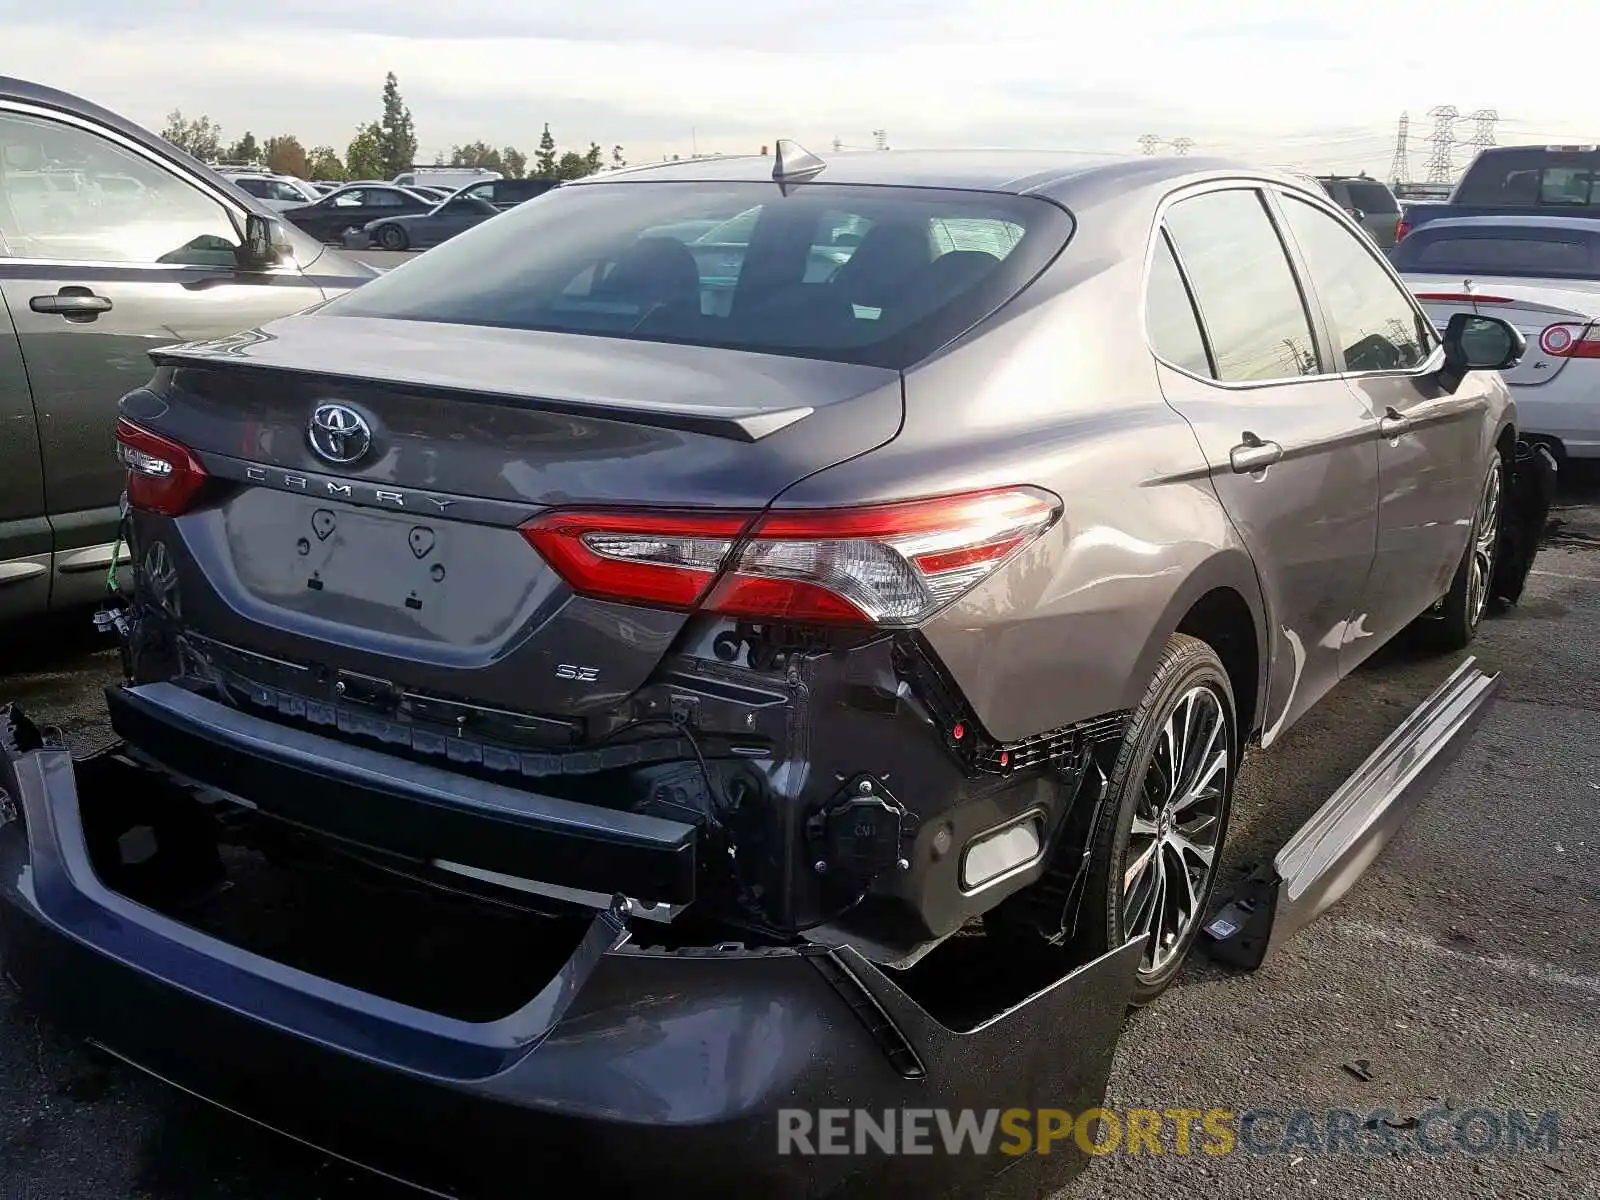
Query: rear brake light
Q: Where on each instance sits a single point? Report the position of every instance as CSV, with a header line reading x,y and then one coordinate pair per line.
x,y
163,476
890,564
1566,339
665,559
1401,228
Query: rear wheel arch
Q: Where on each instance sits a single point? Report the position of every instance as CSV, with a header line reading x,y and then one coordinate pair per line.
x,y
1220,604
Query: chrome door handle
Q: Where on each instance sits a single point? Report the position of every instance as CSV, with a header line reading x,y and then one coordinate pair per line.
x,y
1393,425
1253,454
74,303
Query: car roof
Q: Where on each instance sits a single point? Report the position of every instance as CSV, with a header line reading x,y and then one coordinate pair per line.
x,y
1055,173
1587,225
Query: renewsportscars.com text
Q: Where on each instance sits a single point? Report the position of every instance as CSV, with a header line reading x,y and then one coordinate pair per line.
x,y
1181,1131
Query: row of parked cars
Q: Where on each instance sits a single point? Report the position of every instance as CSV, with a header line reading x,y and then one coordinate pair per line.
x,y
415,210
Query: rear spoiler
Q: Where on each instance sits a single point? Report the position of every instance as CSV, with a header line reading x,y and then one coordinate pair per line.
x,y
256,350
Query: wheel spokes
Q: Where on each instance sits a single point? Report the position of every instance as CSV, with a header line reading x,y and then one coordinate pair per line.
x,y
1175,830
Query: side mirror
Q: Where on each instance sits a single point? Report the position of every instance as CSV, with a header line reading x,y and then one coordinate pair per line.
x,y
1357,215
1474,343
265,242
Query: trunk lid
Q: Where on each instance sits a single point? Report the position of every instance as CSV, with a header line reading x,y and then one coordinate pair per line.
x,y
1530,305
406,567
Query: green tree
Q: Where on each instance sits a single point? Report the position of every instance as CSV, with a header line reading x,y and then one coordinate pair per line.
x,y
324,163
287,156
364,159
616,158
476,154
397,131
572,165
245,150
545,159
514,162
200,138
594,159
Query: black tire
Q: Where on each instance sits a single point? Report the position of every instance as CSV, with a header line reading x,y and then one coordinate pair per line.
x,y
1454,621
392,237
1186,667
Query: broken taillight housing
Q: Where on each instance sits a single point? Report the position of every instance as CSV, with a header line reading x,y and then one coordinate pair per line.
x,y
889,564
163,476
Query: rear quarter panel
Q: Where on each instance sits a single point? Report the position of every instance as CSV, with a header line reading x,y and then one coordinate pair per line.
x,y
1058,391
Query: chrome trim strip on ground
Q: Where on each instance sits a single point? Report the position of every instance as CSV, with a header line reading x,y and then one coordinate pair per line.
x,y
1327,854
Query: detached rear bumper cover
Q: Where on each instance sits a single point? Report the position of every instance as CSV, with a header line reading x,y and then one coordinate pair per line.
x,y
661,1066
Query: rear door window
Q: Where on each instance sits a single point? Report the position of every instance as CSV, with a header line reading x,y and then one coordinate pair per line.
x,y
878,275
1246,290
1372,197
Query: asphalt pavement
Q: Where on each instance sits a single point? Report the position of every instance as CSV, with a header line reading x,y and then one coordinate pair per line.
x,y
1463,972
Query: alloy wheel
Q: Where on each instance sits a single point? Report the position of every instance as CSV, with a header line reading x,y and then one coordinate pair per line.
x,y
1480,575
1177,827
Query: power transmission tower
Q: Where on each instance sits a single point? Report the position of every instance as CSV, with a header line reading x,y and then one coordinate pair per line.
x,y
880,139
1441,162
838,145
1400,169
1149,141
1483,130
1182,145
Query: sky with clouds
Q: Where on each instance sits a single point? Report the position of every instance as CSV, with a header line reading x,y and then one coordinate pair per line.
x,y
1317,84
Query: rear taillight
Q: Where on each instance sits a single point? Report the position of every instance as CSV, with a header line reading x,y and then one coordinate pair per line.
x,y
664,559
163,476
1401,228
891,564
1567,339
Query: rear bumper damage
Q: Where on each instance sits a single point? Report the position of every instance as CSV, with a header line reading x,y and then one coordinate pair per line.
x,y
661,1060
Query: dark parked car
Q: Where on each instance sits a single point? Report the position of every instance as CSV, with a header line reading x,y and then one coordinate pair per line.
x,y
722,660
347,208
418,231
1368,202
508,193
93,276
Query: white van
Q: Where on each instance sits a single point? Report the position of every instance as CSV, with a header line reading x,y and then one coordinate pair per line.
x,y
453,178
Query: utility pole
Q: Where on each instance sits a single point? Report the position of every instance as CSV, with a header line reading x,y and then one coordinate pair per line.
x,y
1441,162
1182,145
1400,169
1149,141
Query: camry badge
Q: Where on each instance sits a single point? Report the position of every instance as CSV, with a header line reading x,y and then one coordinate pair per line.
x,y
339,434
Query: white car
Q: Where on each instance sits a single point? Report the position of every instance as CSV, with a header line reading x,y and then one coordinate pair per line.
x,y
1542,274
275,191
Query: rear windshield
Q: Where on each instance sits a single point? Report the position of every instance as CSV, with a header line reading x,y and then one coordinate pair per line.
x,y
1532,175
1539,253
875,275
1371,197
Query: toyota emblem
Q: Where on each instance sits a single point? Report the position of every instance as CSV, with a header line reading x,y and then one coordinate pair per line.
x,y
339,434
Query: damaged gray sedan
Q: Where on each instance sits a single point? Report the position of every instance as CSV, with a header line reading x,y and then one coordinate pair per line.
x,y
732,624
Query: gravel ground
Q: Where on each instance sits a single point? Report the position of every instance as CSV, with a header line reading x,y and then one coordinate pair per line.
x,y
1463,972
